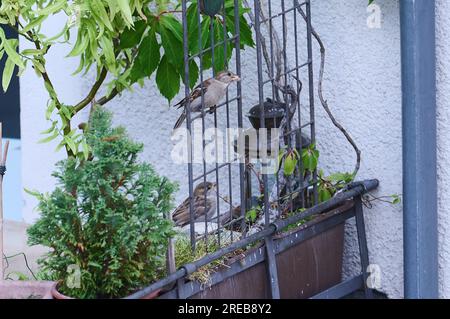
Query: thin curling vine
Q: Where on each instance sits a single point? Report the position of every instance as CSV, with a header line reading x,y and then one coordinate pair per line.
x,y
124,41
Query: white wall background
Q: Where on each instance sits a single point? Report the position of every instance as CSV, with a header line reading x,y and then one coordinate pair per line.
x,y
362,85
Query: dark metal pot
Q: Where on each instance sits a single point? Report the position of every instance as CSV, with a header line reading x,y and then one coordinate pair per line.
x,y
211,7
273,114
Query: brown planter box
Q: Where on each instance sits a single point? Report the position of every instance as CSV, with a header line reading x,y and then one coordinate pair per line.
x,y
309,261
25,289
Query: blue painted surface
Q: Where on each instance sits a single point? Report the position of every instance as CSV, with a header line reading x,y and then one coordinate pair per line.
x,y
12,188
419,148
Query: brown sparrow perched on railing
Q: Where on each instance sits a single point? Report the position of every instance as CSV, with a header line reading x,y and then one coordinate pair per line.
x,y
204,204
214,90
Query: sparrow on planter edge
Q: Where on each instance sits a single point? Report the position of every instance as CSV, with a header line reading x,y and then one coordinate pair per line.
x,y
204,204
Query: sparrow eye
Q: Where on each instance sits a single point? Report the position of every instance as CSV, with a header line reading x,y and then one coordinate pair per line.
x,y
229,73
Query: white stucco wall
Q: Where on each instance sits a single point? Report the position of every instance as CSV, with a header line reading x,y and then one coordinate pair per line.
x,y
362,85
443,100
38,159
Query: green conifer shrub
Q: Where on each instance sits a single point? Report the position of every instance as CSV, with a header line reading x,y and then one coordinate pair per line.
x,y
105,222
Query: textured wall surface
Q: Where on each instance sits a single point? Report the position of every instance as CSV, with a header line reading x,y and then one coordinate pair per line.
x,y
362,85
38,159
443,100
364,91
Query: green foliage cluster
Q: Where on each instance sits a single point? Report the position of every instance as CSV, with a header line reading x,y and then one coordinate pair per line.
x,y
124,41
106,217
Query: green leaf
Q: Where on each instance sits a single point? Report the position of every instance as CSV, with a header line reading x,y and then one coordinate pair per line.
x,y
51,129
33,193
172,46
85,148
80,45
32,52
290,164
8,72
71,143
310,158
34,23
131,37
53,8
167,79
10,46
173,25
324,194
50,108
108,51
147,59
49,138
194,74
124,6
98,9
193,28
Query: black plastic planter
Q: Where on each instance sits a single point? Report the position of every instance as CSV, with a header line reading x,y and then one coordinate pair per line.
x,y
211,7
273,115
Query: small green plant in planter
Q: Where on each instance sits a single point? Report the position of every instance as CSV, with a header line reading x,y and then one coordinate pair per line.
x,y
106,218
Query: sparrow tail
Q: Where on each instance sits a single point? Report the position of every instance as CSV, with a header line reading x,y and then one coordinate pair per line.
x,y
180,121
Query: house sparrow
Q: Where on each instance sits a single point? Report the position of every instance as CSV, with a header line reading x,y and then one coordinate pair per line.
x,y
214,90
182,216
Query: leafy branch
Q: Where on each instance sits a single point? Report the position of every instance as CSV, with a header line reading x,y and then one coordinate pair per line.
x,y
125,41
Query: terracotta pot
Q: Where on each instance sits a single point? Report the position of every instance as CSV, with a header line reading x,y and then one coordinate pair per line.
x,y
57,295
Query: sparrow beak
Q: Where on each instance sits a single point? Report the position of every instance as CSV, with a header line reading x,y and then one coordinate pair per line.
x,y
235,78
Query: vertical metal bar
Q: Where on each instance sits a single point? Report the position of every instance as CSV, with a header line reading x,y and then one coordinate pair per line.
x,y
227,108
271,258
239,108
311,89
188,118
216,142
272,266
299,115
419,148
274,100
261,99
362,241
287,101
181,289
200,39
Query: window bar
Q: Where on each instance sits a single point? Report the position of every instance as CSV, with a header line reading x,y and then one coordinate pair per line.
x,y
199,19
240,117
289,71
285,11
188,119
287,101
299,115
227,109
203,51
261,98
216,142
311,90
271,261
272,76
